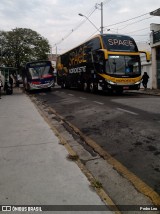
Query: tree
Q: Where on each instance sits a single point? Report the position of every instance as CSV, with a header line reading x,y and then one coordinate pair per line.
x,y
22,45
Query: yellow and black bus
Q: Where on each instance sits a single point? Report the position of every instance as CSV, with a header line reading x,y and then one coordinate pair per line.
x,y
108,62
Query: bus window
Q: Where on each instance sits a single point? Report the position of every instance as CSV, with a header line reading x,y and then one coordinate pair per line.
x,y
34,73
123,65
45,70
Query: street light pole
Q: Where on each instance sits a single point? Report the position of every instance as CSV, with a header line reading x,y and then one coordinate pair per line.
x,y
80,14
101,5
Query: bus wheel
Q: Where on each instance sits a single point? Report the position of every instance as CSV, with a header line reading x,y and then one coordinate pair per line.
x,y
93,87
63,85
27,88
85,86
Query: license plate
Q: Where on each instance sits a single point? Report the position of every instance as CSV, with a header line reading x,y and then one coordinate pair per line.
x,y
125,87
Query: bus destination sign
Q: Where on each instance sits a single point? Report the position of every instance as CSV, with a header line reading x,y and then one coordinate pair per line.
x,y
120,43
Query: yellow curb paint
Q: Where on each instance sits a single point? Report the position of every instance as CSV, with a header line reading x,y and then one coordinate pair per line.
x,y
137,182
102,194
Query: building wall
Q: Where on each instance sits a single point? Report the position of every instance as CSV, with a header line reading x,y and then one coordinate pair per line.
x,y
155,28
146,66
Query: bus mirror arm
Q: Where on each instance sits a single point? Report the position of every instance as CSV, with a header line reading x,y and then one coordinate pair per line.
x,y
105,53
148,56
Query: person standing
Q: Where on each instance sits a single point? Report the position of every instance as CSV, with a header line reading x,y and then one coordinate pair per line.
x,y
11,81
1,85
145,79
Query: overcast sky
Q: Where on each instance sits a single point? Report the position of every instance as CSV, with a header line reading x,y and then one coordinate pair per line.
x,y
59,22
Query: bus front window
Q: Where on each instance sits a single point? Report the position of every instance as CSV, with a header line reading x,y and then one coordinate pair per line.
x,y
34,73
45,70
38,72
123,65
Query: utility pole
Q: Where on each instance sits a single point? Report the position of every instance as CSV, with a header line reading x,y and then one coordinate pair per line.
x,y
97,7
101,18
101,8
56,51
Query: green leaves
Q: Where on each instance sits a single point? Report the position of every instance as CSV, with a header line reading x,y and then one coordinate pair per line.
x,y
22,45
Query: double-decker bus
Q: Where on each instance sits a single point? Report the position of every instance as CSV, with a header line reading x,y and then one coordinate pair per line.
x,y
108,62
38,75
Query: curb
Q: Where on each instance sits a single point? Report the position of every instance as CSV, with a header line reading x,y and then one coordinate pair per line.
x,y
72,155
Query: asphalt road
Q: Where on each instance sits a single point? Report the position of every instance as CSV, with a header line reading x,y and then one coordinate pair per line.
x,y
126,126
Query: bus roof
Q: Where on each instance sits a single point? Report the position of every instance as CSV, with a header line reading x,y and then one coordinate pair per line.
x,y
100,37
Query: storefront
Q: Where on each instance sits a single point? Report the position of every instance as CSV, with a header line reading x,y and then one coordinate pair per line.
x,y
155,51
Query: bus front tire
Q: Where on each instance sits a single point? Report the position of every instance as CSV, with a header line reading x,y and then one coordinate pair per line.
x,y
85,86
93,87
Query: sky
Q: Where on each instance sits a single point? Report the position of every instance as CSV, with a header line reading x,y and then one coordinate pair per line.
x,y
58,20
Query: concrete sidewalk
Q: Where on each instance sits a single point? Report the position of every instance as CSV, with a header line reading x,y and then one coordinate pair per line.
x,y
155,92
33,165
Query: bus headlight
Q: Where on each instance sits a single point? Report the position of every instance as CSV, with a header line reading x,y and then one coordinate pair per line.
x,y
110,82
136,83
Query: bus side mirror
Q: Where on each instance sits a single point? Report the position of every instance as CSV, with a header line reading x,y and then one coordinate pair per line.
x,y
102,54
148,55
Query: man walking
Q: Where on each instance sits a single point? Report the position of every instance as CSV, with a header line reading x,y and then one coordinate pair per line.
x,y
145,78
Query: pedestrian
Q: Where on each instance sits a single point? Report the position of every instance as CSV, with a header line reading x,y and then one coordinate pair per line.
x,y
11,81
145,78
1,85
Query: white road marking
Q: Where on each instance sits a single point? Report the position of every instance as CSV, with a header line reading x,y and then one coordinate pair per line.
x,y
98,102
71,95
124,110
83,98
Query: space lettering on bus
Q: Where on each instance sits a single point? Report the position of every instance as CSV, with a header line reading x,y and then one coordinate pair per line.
x,y
120,42
77,56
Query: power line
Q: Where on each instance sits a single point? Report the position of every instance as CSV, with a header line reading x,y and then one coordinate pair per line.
x,y
91,12
126,20
135,22
81,23
139,30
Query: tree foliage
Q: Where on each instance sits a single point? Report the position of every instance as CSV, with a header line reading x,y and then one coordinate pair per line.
x,y
22,45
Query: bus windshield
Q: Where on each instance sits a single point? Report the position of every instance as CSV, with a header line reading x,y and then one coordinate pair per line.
x,y
123,65
38,72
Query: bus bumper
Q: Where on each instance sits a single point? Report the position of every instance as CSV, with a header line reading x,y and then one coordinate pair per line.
x,y
41,86
116,87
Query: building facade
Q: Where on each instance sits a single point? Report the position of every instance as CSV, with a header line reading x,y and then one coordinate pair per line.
x,y
146,66
155,51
